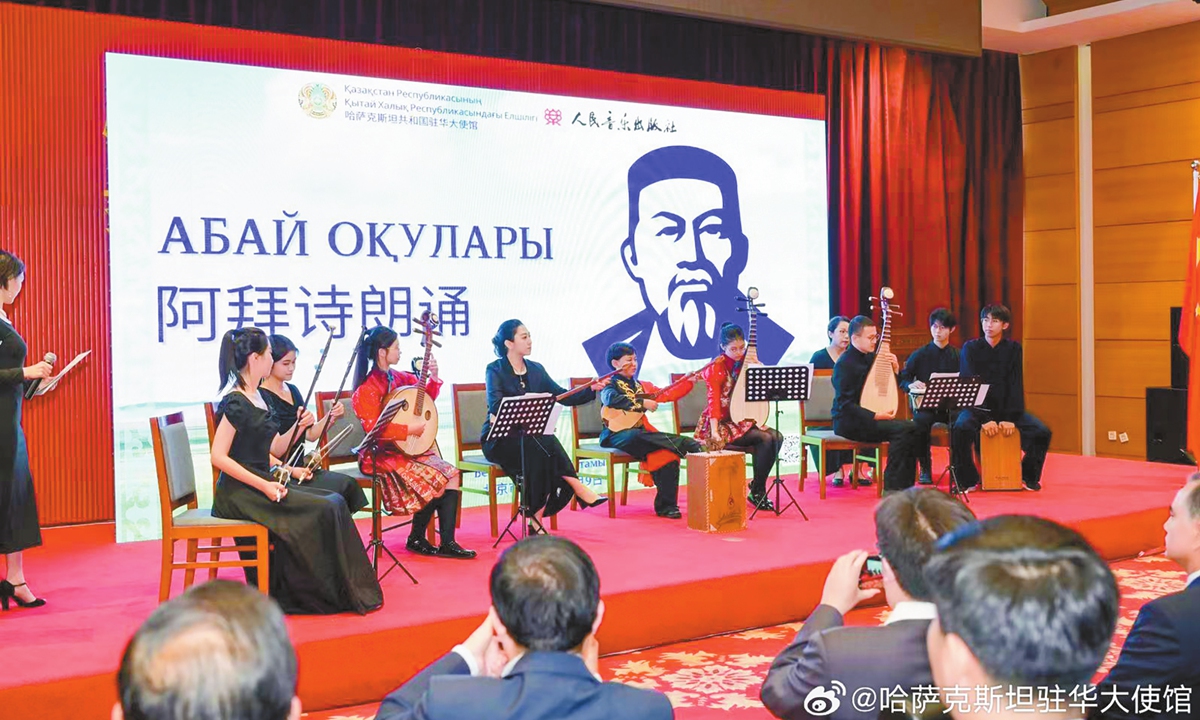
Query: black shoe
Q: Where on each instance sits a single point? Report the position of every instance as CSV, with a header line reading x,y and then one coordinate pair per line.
x,y
421,546
671,513
451,549
968,488
532,530
837,482
598,501
926,478
1033,485
762,502
864,482
9,591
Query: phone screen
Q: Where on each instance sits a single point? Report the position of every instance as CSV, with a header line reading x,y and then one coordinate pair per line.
x,y
872,573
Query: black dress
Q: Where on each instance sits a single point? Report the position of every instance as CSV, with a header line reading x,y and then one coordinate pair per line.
x,y
284,413
18,508
546,462
319,565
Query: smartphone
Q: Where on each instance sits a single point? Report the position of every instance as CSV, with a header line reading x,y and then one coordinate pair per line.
x,y
872,572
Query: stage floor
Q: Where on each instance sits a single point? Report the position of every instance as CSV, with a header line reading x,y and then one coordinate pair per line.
x,y
661,582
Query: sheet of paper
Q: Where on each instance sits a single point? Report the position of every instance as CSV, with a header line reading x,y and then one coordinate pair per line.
x,y
982,394
42,390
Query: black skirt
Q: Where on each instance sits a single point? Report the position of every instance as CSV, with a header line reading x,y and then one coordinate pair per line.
x,y
546,463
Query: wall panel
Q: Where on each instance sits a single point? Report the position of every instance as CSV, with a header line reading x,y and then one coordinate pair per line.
x,y
1048,78
1146,135
1126,415
1135,311
1125,368
1156,59
1050,147
1061,415
1142,194
1051,312
1149,252
1052,257
1051,366
1050,202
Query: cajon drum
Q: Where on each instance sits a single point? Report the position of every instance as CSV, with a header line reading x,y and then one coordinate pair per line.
x,y
1000,461
716,491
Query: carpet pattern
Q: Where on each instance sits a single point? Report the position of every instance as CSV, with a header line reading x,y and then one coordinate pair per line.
x,y
720,676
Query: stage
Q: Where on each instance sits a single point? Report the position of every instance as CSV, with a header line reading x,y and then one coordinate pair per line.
x,y
661,582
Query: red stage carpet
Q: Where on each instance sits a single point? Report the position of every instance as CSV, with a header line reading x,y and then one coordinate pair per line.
x,y
661,582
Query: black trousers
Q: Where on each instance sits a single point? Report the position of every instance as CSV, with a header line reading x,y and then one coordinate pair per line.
x,y
1035,443
640,443
925,420
904,439
764,445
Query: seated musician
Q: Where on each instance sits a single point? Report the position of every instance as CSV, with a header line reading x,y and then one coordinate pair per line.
x,y
939,356
659,452
853,421
997,361
838,332
416,485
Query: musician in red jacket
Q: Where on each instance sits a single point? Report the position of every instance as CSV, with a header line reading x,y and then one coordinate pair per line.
x,y
659,451
417,485
717,429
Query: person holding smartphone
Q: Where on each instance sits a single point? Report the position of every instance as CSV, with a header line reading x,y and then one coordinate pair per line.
x,y
907,527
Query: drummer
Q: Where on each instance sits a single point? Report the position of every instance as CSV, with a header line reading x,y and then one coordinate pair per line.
x,y
939,356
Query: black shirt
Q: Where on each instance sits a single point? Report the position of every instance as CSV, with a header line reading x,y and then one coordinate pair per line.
x,y
1000,368
849,376
925,361
822,360
503,382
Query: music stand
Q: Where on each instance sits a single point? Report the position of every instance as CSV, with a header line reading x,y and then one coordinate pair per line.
x,y
520,417
775,383
371,442
950,394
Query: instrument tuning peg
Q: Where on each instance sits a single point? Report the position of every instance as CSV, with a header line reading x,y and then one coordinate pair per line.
x,y
435,342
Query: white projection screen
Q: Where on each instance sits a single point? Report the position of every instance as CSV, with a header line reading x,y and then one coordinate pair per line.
x,y
291,200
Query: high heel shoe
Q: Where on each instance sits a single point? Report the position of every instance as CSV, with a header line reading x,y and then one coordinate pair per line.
x,y
598,501
9,591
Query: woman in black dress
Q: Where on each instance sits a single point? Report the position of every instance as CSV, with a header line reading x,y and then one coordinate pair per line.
x,y
838,332
18,508
285,400
319,565
551,478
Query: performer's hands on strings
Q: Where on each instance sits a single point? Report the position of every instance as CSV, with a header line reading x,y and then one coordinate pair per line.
x,y
433,369
416,427
39,371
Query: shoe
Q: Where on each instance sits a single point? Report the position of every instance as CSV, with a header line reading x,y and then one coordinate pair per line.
x,y
837,482
968,489
9,591
598,501
671,513
421,546
762,502
926,478
864,481
451,549
532,530
1033,485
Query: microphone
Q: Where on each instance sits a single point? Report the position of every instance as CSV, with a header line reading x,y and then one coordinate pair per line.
x,y
33,386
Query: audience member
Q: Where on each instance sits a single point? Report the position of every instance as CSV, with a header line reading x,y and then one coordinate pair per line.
x,y
220,651
907,526
1025,614
535,655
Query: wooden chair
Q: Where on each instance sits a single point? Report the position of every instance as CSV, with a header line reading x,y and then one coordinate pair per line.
x,y
470,412
210,419
816,430
177,489
342,460
686,413
586,426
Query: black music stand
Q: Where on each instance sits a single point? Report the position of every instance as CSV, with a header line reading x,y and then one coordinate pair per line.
x,y
520,417
773,384
371,442
950,394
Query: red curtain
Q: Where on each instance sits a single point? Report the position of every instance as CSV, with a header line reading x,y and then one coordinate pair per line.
x,y
925,159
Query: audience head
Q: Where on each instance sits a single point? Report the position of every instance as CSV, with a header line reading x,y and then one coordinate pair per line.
x,y
546,594
1183,526
907,527
511,335
863,334
220,651
245,353
838,331
1022,602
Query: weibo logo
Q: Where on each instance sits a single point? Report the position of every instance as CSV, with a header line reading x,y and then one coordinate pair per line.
x,y
317,100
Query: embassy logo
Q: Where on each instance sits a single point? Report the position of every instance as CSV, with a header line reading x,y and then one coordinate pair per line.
x,y
317,100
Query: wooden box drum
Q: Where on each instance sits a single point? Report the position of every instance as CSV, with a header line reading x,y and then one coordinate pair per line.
x,y
1000,461
716,491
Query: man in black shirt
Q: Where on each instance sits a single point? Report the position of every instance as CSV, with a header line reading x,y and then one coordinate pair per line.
x,y
997,361
851,420
939,356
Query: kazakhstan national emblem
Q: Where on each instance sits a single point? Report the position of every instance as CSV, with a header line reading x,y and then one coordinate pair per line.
x,y
317,100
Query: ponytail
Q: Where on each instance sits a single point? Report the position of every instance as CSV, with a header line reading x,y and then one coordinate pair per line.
x,y
373,341
236,348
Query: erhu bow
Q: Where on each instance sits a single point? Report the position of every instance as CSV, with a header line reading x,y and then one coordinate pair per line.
x,y
282,473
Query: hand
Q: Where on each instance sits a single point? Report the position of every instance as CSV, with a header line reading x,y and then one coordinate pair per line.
x,y
590,652
599,385
39,371
432,368
892,359
274,491
1007,428
714,443
478,642
337,411
304,418
300,473
416,427
650,405
990,428
885,415
841,591
916,386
